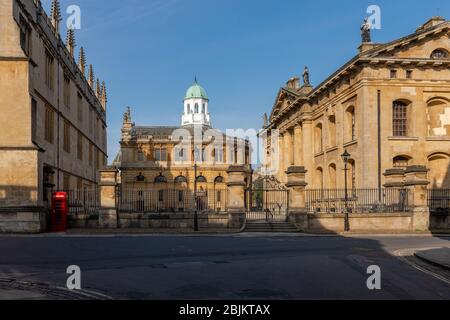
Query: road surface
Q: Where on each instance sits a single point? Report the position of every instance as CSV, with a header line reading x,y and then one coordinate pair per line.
x,y
245,266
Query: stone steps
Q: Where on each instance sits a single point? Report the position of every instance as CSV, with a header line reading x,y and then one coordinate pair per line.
x,y
276,227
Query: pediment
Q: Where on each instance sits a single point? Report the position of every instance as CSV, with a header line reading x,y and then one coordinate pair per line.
x,y
420,45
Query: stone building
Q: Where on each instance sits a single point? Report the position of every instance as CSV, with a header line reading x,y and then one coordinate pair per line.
x,y
163,159
389,107
53,116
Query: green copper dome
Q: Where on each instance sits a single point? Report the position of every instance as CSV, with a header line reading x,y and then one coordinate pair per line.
x,y
196,92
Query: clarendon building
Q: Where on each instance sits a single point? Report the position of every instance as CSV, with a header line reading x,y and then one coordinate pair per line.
x,y
389,107
52,116
167,166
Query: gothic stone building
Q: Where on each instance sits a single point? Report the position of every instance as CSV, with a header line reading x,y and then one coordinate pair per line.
x,y
162,159
52,117
389,107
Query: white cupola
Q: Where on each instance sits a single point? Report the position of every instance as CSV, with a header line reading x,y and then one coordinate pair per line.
x,y
196,109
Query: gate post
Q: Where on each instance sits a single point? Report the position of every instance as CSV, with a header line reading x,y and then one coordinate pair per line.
x,y
395,178
417,181
297,198
108,199
236,196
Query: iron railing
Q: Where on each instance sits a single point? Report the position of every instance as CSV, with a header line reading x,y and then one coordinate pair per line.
x,y
358,200
172,200
86,201
439,200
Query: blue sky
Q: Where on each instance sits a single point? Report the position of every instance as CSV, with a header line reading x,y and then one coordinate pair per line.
x,y
242,51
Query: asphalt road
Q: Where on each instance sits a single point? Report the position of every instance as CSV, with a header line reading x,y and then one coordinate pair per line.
x,y
225,267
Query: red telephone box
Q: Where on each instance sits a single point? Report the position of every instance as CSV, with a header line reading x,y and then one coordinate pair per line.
x,y
59,212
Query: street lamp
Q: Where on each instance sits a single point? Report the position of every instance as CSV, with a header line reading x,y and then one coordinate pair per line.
x,y
196,153
346,158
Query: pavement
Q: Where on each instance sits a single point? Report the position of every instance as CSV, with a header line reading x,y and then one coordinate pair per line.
x,y
219,267
439,257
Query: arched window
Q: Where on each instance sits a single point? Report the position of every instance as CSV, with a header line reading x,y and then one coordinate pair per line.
x,y
332,131
219,179
439,54
188,108
350,124
204,108
319,178
201,179
401,162
160,179
319,138
400,119
439,166
437,113
332,176
196,108
352,173
180,179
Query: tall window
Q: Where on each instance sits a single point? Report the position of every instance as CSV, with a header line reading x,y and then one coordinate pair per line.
x,y
91,154
196,108
350,124
332,131
400,119
66,181
25,36
180,155
66,91
80,107
161,154
49,70
66,142
33,119
80,146
140,155
49,125
319,138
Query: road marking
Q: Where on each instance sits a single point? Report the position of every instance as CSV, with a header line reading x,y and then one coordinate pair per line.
x,y
402,253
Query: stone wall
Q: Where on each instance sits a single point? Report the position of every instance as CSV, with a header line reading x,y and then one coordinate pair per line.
x,y
23,220
181,221
375,223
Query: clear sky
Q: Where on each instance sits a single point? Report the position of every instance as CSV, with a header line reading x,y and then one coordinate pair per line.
x,y
242,51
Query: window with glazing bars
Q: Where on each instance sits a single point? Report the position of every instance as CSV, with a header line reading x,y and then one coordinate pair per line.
x,y
400,119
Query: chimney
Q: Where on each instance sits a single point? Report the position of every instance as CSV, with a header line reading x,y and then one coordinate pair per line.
x,y
293,83
434,21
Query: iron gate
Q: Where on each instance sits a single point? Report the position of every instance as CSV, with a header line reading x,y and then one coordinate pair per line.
x,y
267,205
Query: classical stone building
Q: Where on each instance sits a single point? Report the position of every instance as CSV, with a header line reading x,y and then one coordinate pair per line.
x,y
389,106
173,160
52,116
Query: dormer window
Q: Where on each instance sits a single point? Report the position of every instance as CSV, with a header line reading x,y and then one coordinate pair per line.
x,y
439,54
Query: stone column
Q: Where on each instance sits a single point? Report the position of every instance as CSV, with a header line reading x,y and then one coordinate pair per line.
x,y
395,178
236,196
288,149
298,146
416,179
308,149
108,202
280,157
297,197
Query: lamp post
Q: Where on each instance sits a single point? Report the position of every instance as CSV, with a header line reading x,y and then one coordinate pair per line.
x,y
346,157
195,191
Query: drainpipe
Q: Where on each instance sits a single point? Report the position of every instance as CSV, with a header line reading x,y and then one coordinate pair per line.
x,y
379,145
